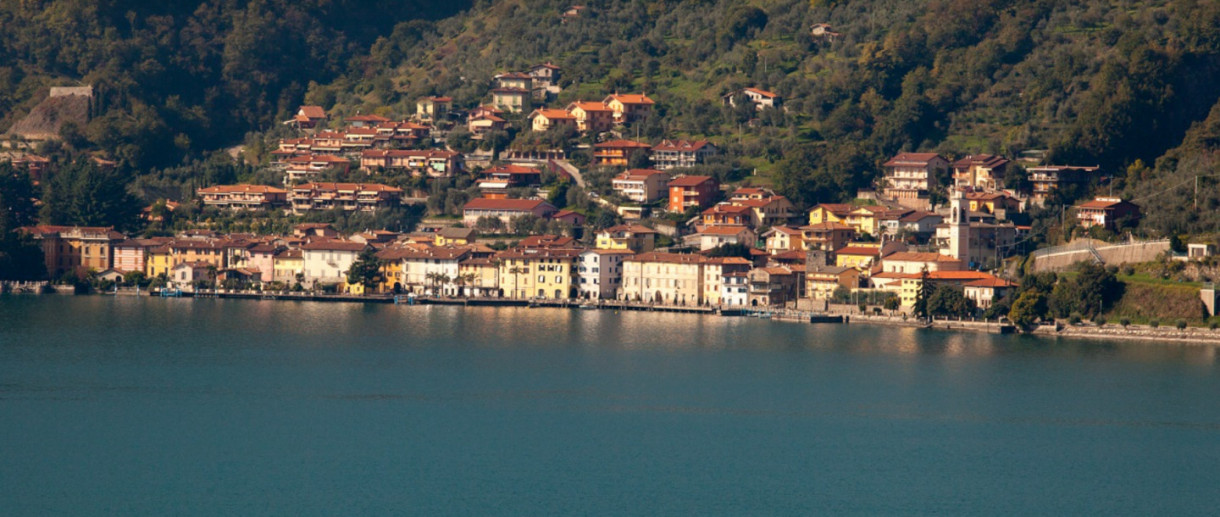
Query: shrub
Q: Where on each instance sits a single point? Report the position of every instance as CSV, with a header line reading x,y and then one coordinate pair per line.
x,y
1181,324
1124,322
1074,319
1128,270
1154,323
1100,321
1213,325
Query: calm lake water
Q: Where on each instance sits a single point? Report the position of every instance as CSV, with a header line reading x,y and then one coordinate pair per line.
x,y
129,406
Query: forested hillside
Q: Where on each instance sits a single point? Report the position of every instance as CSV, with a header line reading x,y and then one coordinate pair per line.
x,y
177,79
1111,83
1125,84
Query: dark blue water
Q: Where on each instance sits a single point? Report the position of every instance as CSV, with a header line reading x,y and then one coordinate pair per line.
x,y
178,407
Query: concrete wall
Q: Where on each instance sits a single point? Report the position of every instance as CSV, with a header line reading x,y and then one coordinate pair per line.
x,y
1064,257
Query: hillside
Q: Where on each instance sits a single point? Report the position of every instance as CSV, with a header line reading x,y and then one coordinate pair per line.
x,y
175,80
1111,83
1125,84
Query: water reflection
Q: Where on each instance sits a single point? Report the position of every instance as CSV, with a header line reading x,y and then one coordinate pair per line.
x,y
114,322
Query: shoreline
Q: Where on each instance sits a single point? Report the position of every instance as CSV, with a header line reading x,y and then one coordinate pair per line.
x,y
1191,336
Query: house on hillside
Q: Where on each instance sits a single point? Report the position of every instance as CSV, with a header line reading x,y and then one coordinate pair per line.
x,y
824,32
629,107
243,197
512,100
591,116
308,117
761,99
641,185
671,154
617,153
909,177
545,119
979,171
433,108
504,209
1046,178
349,197
1105,212
687,192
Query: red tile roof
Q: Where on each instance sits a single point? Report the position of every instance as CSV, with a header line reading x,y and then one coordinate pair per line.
x,y
989,161
622,144
553,114
762,92
589,106
992,282
313,112
355,187
521,205
680,145
689,181
860,250
226,189
334,245
630,98
913,256
912,159
672,258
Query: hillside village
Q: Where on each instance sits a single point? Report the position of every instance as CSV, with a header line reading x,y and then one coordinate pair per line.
x,y
522,196
675,238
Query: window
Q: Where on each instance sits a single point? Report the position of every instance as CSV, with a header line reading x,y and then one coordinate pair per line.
x,y
541,278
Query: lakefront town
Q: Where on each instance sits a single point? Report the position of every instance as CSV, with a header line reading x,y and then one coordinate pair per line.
x,y
521,198
664,239
609,257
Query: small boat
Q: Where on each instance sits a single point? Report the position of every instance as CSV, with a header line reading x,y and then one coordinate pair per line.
x,y
588,306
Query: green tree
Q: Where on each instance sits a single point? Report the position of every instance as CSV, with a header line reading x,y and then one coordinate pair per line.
x,y
21,257
81,193
923,292
1029,308
947,300
366,270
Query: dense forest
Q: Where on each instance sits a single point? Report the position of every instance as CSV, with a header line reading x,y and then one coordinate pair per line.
x,y
1125,84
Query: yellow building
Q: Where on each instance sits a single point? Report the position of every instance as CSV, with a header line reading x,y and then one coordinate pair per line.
x,y
632,237
287,265
391,271
861,256
211,251
480,276
829,213
537,273
158,262
76,249
911,282
454,237
822,281
664,278
866,219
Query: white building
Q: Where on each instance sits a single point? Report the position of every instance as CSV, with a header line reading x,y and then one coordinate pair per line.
x,y
432,270
716,236
735,289
641,185
599,273
327,261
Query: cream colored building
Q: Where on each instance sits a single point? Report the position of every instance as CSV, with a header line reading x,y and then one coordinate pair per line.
x,y
664,278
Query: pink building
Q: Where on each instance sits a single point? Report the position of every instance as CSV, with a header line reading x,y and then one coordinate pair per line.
x,y
132,254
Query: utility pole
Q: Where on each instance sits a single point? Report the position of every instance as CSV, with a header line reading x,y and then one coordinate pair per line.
x,y
1196,203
